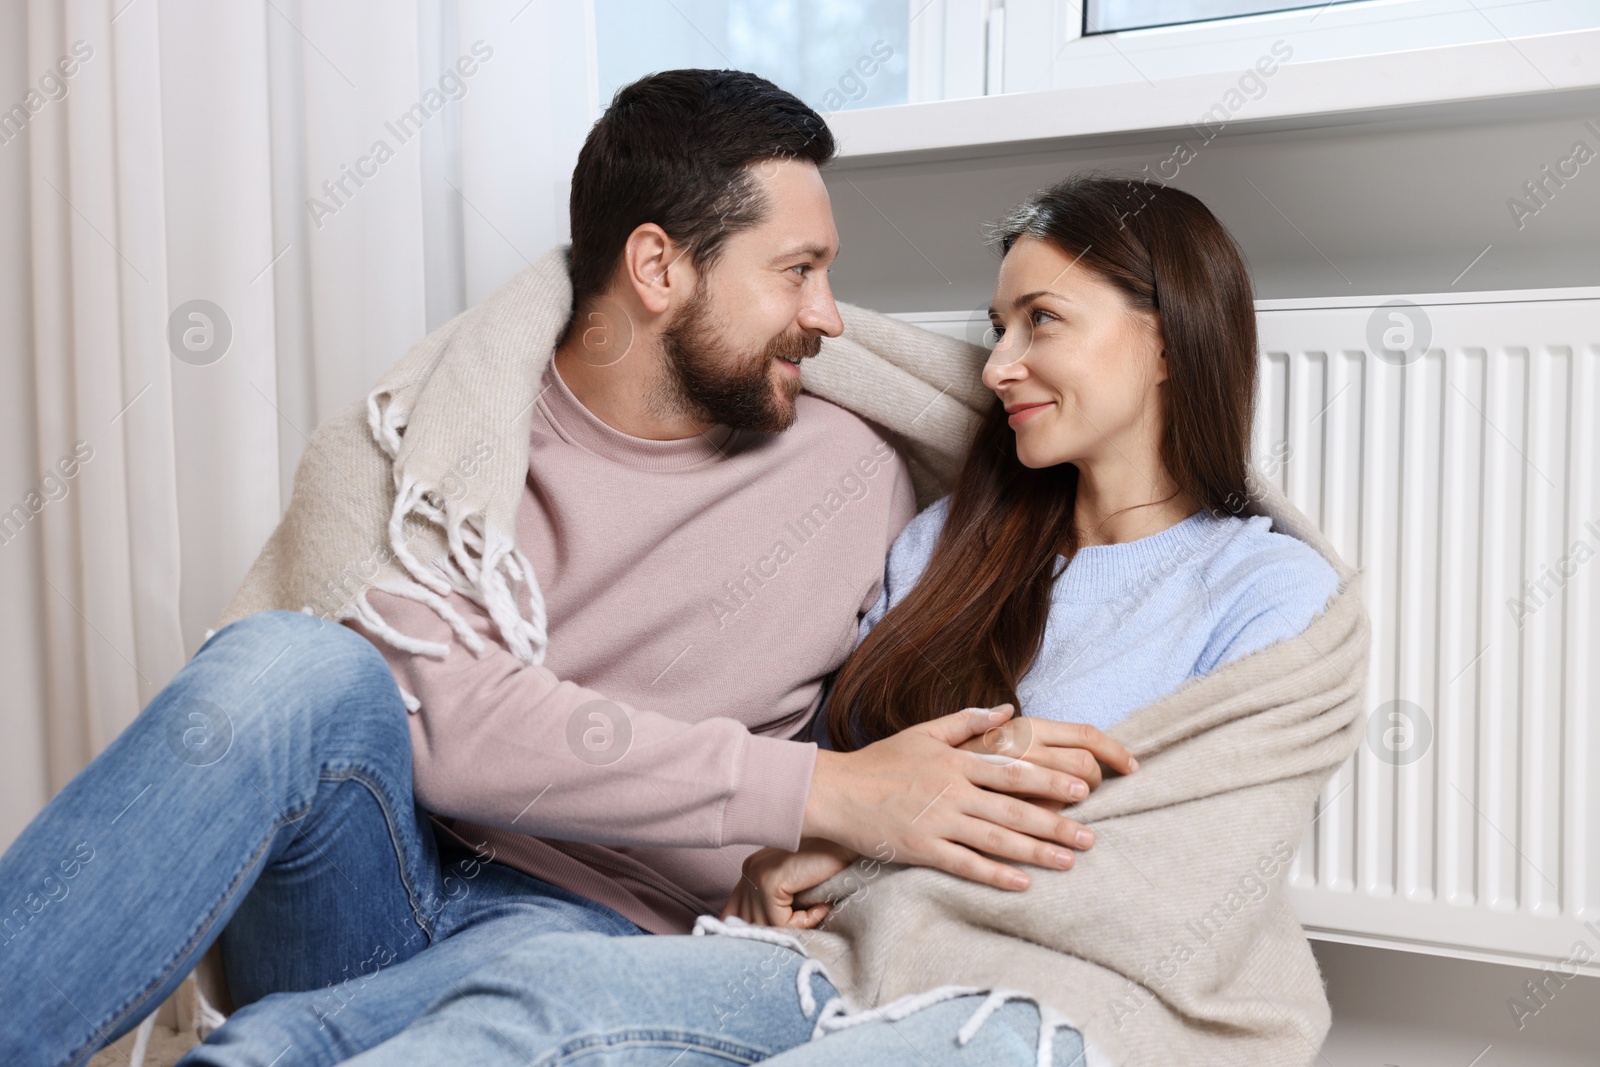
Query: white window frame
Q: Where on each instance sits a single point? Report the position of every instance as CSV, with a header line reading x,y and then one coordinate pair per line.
x,y
968,48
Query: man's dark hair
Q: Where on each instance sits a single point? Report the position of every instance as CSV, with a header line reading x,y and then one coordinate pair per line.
x,y
673,149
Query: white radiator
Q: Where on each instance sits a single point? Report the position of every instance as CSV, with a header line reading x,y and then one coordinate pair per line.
x,y
1450,447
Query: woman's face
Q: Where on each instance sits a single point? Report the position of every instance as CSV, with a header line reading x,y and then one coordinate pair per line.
x,y
1078,368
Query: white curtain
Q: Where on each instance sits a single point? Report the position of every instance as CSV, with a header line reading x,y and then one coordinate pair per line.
x,y
170,151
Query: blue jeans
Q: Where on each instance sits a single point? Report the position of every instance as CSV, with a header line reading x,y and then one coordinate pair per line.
x,y
688,1002
263,797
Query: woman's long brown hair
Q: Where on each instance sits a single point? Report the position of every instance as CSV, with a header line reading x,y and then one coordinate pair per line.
x,y
971,627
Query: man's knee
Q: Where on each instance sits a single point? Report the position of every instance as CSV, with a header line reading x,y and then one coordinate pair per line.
x,y
289,665
284,643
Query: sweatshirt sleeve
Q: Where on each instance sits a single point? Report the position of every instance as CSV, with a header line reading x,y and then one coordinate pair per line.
x,y
500,742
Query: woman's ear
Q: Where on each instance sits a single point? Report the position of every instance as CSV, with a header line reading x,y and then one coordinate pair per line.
x,y
1161,367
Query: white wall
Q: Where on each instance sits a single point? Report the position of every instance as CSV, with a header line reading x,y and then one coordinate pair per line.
x,y
1383,201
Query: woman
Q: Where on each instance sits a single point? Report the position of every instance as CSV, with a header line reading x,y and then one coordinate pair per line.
x,y
1091,559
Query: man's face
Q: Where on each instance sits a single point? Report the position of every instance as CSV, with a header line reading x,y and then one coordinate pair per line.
x,y
732,351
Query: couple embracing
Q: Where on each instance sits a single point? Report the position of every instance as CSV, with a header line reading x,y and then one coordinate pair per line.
x,y
960,706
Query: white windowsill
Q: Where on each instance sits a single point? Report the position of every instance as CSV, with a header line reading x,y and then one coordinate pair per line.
x,y
1312,91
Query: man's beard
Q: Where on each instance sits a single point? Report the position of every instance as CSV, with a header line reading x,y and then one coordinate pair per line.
x,y
711,382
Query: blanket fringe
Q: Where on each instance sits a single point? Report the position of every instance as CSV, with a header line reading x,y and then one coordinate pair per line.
x,y
481,564
141,1041
837,1015
1050,1020
495,581
808,999
363,612
405,502
996,1000
206,1018
411,591
485,566
385,421
733,926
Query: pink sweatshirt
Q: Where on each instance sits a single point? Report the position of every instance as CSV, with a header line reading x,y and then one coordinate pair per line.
x,y
698,592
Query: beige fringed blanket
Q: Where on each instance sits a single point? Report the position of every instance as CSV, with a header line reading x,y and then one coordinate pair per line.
x,y
1170,942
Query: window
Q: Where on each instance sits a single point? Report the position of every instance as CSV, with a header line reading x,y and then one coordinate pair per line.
x,y
1107,16
1071,44
839,55
833,54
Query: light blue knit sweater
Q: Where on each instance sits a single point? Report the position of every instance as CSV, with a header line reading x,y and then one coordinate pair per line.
x,y
1129,623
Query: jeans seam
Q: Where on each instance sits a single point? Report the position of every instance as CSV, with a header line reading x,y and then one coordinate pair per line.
x,y
375,788
592,1044
84,1051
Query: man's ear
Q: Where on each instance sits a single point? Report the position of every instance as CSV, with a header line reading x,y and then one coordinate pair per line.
x,y
655,268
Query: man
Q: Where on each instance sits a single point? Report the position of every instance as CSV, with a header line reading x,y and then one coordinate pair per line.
x,y
670,456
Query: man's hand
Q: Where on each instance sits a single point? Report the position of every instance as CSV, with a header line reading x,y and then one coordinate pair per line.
x,y
773,878
937,805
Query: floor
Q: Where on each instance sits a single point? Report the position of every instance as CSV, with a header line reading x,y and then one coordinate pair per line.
x,y
1402,1009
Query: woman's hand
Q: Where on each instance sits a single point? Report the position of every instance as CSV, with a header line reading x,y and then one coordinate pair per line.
x,y
1071,748
773,878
